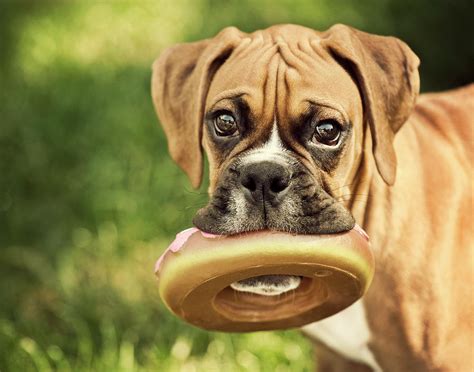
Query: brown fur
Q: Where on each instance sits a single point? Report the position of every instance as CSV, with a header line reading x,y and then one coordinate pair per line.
x,y
420,305
417,213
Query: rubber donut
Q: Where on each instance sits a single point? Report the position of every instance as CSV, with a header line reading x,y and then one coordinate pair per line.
x,y
196,272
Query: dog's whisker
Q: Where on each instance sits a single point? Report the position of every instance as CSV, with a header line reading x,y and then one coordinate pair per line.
x,y
353,196
193,206
350,184
195,192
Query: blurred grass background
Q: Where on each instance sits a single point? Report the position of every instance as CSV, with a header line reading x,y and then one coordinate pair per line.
x,y
89,197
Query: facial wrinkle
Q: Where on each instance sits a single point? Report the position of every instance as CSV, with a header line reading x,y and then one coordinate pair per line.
x,y
270,90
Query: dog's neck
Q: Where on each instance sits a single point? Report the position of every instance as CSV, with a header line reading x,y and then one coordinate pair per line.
x,y
414,293
367,189
363,187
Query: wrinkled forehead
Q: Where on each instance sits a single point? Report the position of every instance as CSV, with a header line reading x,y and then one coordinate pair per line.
x,y
278,77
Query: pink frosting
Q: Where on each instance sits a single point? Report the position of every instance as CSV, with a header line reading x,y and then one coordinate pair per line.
x,y
181,238
361,231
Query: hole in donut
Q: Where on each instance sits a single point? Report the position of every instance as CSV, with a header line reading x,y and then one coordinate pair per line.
x,y
267,285
249,306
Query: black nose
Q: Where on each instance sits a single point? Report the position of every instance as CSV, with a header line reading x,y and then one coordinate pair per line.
x,y
264,180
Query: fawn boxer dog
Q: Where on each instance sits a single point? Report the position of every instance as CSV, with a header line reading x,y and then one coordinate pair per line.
x,y
310,132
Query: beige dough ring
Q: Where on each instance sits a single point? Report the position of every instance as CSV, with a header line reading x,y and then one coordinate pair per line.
x,y
196,271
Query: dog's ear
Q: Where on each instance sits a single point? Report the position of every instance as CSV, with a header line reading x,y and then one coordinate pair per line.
x,y
180,83
386,71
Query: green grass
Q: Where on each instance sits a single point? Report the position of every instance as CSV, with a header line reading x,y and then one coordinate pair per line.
x,y
89,197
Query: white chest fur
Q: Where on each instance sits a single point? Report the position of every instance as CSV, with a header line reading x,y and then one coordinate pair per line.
x,y
346,333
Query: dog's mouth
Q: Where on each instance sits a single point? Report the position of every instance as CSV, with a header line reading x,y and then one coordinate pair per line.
x,y
267,285
243,200
229,213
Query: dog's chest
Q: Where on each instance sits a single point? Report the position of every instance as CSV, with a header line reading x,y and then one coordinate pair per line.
x,y
346,333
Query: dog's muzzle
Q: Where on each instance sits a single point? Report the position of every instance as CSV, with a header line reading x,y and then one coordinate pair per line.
x,y
271,195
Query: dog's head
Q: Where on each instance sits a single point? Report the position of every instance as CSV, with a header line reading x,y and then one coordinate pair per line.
x,y
284,115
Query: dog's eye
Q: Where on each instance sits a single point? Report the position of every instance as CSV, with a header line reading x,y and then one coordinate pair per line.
x,y
327,132
225,125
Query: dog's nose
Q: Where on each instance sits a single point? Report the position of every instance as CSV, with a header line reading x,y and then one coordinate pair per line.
x,y
264,180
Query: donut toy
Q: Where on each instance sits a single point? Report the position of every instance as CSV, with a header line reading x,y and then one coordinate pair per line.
x,y
207,279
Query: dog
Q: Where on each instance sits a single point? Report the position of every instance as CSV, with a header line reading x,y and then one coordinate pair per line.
x,y
310,132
